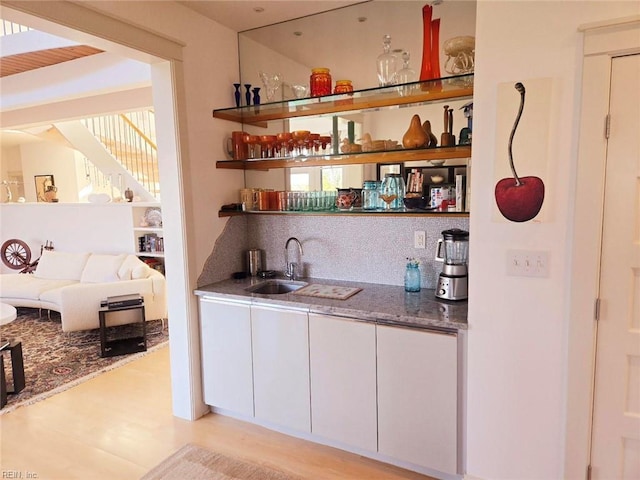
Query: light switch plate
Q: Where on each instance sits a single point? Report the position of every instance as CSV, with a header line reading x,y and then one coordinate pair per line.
x,y
527,263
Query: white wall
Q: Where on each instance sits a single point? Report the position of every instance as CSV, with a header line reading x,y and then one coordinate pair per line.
x,y
72,227
47,158
518,341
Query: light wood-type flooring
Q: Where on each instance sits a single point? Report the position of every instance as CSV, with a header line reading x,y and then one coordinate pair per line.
x,y
119,425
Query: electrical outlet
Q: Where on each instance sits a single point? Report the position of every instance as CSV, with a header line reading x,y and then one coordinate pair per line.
x,y
527,263
419,239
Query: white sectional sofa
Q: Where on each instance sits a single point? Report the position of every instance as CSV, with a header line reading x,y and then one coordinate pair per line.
x,y
75,283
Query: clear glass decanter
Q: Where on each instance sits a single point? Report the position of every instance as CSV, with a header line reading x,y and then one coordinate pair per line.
x,y
387,64
406,75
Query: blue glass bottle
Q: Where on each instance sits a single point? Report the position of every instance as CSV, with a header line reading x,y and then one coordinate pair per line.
x,y
412,277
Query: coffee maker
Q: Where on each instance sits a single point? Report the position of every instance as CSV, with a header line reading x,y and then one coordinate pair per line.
x,y
453,280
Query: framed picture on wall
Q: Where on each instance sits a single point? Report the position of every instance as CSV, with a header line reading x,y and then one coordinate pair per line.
x,y
384,168
42,183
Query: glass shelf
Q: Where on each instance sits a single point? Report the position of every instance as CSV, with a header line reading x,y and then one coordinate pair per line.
x,y
387,156
356,211
459,86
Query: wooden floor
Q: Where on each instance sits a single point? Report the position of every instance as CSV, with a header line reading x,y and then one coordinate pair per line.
x,y
119,425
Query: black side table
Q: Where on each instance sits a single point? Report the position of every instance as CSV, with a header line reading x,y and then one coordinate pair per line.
x,y
122,346
17,369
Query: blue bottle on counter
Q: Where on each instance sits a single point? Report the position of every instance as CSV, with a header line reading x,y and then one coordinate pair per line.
x,y
412,277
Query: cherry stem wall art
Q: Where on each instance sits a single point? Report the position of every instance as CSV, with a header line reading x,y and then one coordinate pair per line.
x,y
519,198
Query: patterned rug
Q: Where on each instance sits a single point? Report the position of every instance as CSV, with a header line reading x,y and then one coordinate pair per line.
x,y
55,361
196,463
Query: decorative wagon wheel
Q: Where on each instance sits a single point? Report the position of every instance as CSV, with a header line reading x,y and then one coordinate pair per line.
x,y
15,254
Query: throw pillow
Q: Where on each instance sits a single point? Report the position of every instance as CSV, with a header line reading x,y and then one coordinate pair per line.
x,y
130,263
141,271
102,268
55,265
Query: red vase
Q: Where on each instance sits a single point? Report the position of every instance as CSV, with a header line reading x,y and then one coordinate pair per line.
x,y
435,48
426,72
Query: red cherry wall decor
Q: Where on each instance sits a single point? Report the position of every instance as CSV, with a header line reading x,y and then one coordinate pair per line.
x,y
519,199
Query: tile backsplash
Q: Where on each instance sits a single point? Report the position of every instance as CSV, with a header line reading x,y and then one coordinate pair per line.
x,y
352,248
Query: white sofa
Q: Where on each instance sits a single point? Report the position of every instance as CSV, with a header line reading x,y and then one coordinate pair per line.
x,y
75,283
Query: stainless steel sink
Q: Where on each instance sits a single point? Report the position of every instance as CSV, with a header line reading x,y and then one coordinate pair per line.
x,y
275,287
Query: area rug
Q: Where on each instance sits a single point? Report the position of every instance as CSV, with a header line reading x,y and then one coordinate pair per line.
x,y
196,463
55,361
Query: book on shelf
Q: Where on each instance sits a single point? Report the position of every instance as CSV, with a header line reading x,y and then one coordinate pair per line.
x,y
461,188
150,243
414,180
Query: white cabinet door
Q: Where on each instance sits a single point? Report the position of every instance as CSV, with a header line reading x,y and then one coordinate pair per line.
x,y
281,366
417,397
343,380
226,355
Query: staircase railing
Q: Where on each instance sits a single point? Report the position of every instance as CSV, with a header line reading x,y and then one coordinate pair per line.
x,y
9,28
130,138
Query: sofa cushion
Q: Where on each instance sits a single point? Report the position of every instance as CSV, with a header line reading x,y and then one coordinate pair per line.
x,y
102,268
141,271
61,265
128,265
28,286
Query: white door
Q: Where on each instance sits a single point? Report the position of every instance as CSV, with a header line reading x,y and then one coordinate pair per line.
x,y
280,341
343,380
615,450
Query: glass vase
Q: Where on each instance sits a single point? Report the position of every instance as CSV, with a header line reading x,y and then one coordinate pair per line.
x,y
412,278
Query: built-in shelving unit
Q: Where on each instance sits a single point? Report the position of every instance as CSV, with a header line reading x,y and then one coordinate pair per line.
x,y
459,86
387,156
355,212
416,93
149,239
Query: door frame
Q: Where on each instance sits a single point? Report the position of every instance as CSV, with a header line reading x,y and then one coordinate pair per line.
x,y
165,56
602,42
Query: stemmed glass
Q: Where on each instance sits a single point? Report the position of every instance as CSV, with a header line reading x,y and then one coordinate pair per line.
x,y
313,143
268,143
284,141
271,84
300,138
253,143
389,191
324,140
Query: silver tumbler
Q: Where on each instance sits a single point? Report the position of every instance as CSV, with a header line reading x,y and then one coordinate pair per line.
x,y
255,261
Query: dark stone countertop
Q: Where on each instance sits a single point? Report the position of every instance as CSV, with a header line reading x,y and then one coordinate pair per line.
x,y
381,304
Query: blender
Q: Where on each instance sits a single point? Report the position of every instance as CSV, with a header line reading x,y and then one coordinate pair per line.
x,y
452,282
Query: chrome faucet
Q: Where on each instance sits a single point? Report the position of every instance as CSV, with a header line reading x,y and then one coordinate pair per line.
x,y
290,271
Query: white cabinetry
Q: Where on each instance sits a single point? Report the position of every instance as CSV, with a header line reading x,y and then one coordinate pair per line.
x,y
280,340
387,392
417,392
343,380
226,354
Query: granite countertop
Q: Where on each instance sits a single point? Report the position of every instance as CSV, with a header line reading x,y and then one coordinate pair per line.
x,y
382,304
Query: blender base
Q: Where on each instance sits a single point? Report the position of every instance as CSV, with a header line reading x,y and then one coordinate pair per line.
x,y
452,288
